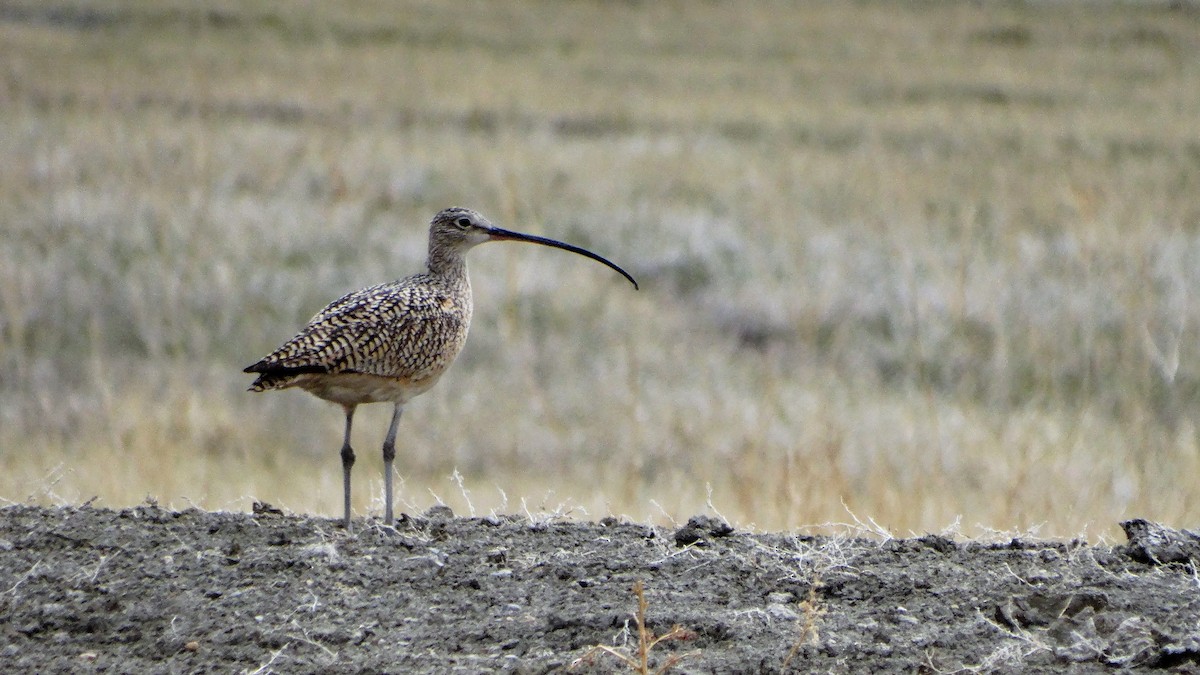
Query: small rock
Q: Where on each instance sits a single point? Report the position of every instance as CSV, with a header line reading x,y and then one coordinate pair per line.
x,y
265,509
699,529
938,543
780,612
902,615
1156,544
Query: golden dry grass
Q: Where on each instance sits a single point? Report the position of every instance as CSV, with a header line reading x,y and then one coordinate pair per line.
x,y
930,264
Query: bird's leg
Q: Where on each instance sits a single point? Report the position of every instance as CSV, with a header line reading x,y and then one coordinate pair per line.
x,y
347,464
389,454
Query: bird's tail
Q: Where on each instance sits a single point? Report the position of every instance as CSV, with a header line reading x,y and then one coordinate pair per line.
x,y
275,376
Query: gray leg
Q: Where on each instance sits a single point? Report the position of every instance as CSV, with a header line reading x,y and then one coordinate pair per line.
x,y
347,464
389,454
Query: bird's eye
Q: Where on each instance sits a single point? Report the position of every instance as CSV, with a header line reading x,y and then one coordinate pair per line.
x,y
463,223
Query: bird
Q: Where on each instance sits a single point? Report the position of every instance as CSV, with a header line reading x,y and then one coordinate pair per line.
x,y
391,342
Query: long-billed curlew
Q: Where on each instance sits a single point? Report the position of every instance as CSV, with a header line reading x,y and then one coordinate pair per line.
x,y
393,341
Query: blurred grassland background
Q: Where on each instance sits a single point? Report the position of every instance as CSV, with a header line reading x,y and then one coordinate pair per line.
x,y
931,264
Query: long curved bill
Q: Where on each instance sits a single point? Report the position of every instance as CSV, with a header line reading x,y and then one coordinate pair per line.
x,y
500,234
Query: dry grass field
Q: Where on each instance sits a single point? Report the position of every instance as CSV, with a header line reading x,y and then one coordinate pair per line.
x,y
931,265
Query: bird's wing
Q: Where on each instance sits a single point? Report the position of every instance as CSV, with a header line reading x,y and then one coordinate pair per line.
x,y
391,330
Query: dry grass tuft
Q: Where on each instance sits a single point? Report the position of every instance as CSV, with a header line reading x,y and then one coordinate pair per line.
x,y
811,611
639,661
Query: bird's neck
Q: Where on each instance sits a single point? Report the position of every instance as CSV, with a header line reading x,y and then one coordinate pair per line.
x,y
444,263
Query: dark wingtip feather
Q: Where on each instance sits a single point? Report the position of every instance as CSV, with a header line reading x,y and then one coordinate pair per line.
x,y
271,371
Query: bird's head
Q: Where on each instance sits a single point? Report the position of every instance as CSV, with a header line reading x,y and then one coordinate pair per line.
x,y
459,229
455,230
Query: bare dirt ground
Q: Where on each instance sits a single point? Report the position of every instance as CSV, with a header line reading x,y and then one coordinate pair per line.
x,y
150,590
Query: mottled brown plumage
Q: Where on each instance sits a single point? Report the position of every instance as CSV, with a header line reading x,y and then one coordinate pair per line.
x,y
391,342
383,343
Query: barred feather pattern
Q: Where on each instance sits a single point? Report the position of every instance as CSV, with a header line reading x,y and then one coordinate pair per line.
x,y
405,333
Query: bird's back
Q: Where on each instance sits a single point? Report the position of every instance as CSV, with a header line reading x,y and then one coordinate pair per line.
x,y
391,341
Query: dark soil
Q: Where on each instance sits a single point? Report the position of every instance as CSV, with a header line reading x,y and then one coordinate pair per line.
x,y
150,590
